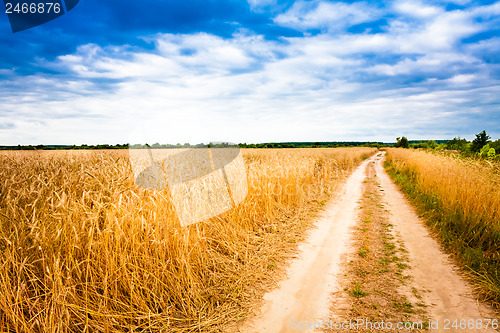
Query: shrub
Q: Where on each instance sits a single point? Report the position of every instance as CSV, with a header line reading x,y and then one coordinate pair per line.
x,y
402,142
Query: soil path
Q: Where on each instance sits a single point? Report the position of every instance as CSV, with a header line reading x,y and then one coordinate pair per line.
x,y
448,296
311,277
304,296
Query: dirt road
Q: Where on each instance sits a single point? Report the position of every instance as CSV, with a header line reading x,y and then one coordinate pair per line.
x,y
304,296
448,296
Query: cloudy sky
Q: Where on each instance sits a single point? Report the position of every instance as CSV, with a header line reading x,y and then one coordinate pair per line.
x,y
194,71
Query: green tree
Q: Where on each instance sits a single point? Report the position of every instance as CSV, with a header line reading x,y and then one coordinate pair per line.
x,y
496,145
480,141
432,144
487,152
457,144
402,142
491,153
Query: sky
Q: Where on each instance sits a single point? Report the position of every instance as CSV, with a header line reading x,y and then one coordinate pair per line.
x,y
252,71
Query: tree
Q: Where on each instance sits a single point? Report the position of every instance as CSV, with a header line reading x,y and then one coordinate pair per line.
x,y
496,145
457,144
402,142
487,152
431,144
491,153
428,144
480,141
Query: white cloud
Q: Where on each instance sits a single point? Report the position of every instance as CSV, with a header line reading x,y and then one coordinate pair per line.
x,y
417,9
200,87
462,79
430,63
304,15
256,5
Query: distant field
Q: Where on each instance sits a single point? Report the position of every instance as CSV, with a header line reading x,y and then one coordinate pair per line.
x,y
82,248
460,197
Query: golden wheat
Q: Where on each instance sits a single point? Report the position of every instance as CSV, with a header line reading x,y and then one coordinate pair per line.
x,y
465,184
83,249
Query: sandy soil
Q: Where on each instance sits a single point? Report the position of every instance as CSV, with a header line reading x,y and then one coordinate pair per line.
x,y
313,275
304,294
448,296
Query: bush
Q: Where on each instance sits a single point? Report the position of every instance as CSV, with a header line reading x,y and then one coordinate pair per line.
x,y
457,144
487,152
496,145
402,142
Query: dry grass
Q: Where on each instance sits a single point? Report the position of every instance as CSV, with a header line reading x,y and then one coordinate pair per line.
x,y
461,200
82,249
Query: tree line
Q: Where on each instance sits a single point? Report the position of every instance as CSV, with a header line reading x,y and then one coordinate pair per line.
x,y
481,146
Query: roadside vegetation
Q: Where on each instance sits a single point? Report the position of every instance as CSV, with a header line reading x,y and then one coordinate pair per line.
x,y
459,197
482,147
82,249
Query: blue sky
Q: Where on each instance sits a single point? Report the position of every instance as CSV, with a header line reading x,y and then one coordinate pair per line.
x,y
252,71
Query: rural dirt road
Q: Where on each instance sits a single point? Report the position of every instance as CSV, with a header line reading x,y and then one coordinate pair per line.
x,y
305,294
448,296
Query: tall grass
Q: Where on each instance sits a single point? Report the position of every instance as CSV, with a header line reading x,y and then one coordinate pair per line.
x,y
82,249
461,200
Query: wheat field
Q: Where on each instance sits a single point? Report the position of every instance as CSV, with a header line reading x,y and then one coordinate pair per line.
x,y
83,249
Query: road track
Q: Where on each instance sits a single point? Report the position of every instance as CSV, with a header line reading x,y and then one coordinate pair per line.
x,y
304,295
